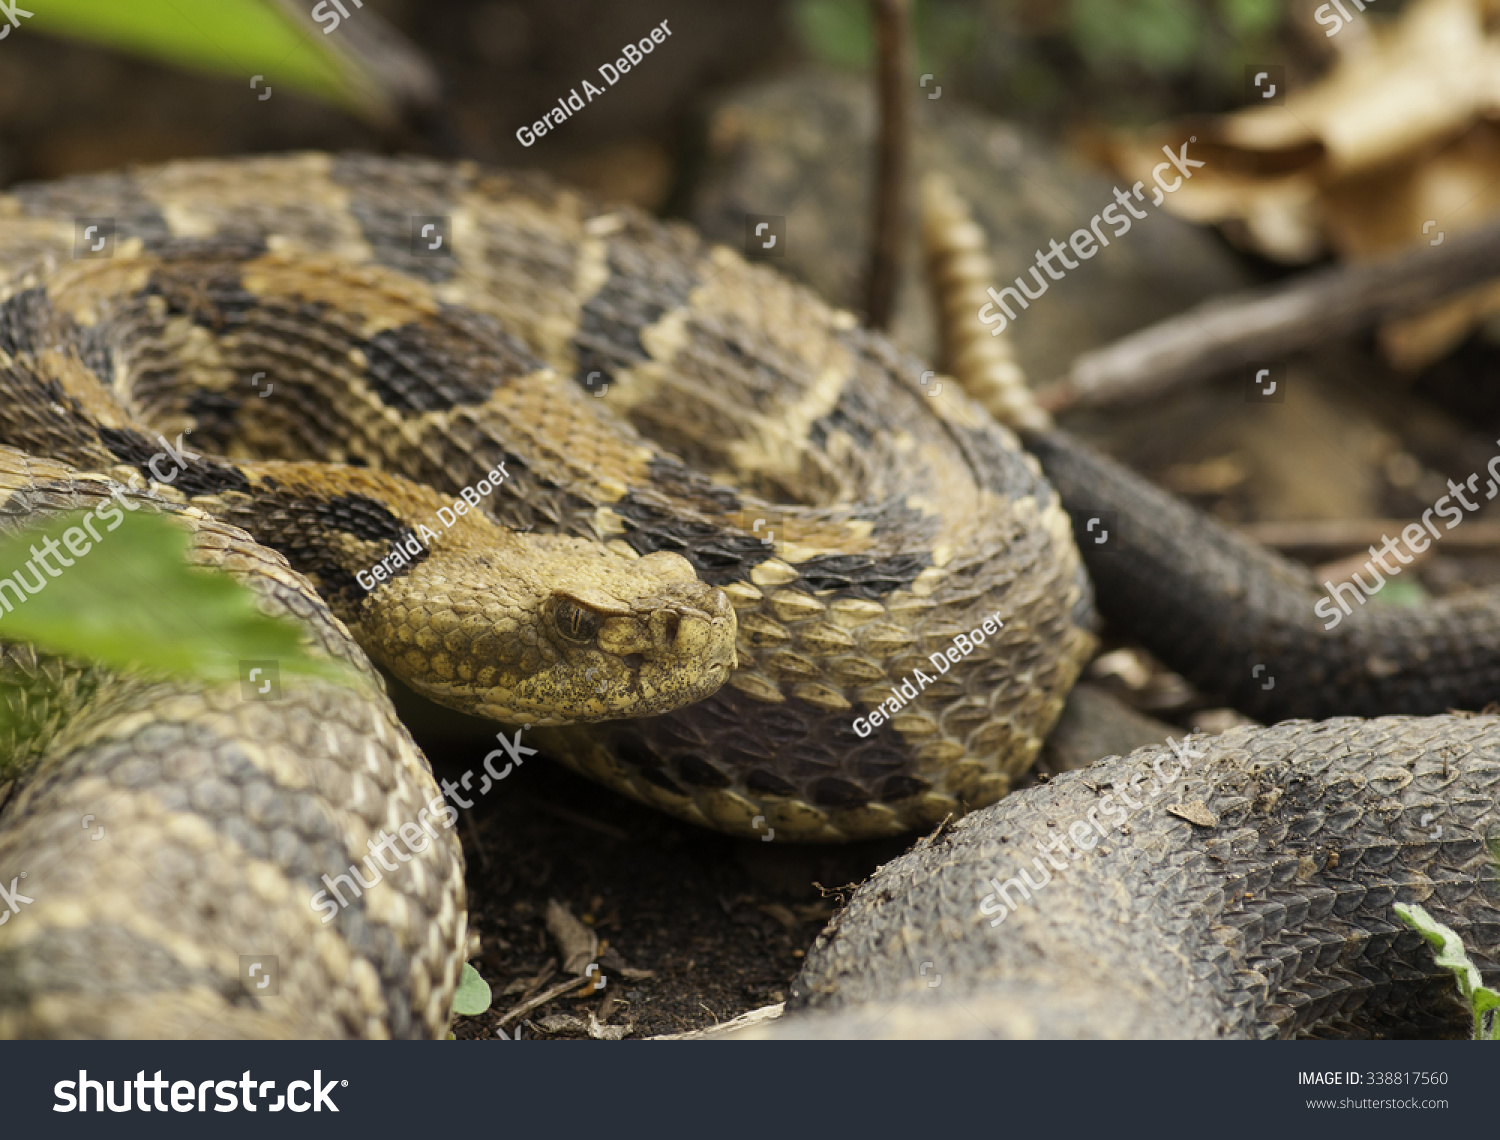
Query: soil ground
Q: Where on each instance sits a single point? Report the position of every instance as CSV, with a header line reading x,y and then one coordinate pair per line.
x,y
695,928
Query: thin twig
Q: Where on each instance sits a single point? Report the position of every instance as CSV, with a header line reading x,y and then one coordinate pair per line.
x,y
484,860
542,999
581,820
1359,534
723,1028
893,44
1263,326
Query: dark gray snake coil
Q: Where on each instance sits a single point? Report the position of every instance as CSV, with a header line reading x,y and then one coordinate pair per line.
x,y
1250,896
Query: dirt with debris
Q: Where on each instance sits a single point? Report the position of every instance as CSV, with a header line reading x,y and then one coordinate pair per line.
x,y
598,917
694,928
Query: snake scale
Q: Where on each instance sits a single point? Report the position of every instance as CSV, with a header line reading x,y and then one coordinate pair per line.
x,y
729,526
1264,911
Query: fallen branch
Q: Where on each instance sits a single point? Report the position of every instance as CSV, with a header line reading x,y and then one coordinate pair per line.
x,y
1264,326
1360,534
744,1021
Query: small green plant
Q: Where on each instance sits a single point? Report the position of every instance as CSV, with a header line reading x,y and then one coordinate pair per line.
x,y
1398,593
473,994
1448,951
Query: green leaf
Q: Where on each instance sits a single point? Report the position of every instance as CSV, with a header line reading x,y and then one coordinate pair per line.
x,y
473,995
365,69
241,37
1248,18
1451,955
132,602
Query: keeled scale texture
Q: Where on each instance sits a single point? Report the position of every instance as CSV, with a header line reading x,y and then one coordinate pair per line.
x,y
1270,916
1230,615
216,819
338,385
792,459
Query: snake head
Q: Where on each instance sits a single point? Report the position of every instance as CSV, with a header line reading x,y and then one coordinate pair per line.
x,y
652,642
572,632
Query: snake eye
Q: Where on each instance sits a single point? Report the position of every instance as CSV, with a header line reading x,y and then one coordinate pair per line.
x,y
574,622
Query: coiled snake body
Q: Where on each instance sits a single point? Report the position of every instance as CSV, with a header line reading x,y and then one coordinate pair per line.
x,y
727,525
1248,894
705,473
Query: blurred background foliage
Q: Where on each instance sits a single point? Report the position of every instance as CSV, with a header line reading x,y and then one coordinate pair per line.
x,y
1126,60
456,77
368,71
1019,56
476,67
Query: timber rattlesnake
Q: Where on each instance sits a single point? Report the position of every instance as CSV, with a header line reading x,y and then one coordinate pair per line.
x,y
730,526
704,467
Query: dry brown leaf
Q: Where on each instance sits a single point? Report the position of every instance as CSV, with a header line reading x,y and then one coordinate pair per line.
x,y
577,945
1399,132
1398,144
